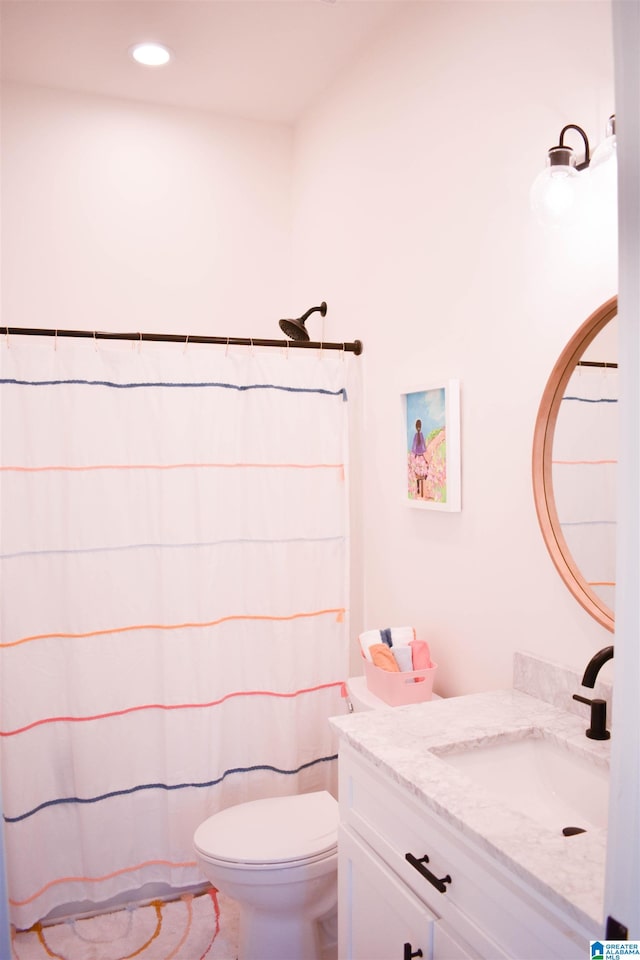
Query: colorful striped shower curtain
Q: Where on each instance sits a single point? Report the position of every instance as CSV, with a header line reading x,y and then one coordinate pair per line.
x,y
174,590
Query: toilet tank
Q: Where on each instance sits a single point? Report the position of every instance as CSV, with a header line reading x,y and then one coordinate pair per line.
x,y
361,698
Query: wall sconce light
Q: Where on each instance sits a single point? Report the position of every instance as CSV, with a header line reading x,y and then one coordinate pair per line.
x,y
607,149
560,190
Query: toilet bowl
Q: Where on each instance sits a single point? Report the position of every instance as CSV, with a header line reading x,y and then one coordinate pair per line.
x,y
278,859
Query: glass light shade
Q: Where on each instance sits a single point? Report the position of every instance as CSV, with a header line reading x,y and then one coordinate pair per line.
x,y
604,173
607,149
556,194
151,54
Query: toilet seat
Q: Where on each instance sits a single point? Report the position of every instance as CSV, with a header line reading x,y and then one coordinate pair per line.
x,y
276,831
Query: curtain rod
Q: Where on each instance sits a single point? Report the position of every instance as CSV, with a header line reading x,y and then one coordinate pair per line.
x,y
354,347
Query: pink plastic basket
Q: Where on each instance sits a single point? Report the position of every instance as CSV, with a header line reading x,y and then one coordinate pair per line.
x,y
396,689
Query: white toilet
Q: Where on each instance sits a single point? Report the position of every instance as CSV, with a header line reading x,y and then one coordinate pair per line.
x,y
278,858
359,698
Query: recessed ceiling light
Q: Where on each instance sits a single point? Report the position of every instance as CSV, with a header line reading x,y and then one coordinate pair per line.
x,y
150,54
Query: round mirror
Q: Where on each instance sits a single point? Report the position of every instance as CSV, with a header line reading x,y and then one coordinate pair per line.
x,y
575,460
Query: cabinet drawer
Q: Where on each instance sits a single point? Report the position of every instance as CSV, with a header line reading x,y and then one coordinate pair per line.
x,y
458,881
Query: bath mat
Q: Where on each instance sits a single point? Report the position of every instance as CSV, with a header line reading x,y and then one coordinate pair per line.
x,y
203,927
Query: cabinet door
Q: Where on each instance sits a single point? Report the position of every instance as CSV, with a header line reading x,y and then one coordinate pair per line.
x,y
446,946
379,918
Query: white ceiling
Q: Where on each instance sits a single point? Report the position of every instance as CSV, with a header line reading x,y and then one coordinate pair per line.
x,y
261,59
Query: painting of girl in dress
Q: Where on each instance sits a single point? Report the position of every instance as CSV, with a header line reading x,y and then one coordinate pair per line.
x,y
428,426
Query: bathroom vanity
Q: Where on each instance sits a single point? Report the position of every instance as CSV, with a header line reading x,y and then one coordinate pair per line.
x,y
451,841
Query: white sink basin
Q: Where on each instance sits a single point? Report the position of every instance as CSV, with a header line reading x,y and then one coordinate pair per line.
x,y
555,785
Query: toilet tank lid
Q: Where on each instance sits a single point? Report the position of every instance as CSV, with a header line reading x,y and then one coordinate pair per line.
x,y
271,830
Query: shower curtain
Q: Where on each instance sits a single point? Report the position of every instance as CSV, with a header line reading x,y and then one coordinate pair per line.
x,y
174,556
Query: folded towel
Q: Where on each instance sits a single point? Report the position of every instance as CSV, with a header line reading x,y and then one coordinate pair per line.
x,y
389,635
403,656
402,635
420,654
366,640
382,657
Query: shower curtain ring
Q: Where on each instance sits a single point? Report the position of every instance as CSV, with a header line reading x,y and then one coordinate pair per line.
x,y
6,334
186,343
55,340
226,349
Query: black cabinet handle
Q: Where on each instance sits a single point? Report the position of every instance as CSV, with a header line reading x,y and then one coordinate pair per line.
x,y
408,954
438,883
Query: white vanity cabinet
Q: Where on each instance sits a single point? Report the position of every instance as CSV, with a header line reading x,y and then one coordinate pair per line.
x,y
385,920
410,885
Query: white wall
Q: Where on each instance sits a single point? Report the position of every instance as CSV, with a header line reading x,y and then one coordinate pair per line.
x,y
126,216
411,217
409,199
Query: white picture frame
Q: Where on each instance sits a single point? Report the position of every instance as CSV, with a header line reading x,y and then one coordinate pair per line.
x,y
431,445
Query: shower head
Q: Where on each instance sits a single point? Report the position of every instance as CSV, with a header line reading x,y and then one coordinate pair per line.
x,y
295,329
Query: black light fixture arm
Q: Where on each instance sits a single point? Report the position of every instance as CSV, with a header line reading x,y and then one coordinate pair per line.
x,y
587,155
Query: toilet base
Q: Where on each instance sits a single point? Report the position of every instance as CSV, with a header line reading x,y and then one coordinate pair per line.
x,y
284,914
278,937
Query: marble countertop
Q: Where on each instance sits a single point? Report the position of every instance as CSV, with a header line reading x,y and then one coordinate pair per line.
x,y
569,871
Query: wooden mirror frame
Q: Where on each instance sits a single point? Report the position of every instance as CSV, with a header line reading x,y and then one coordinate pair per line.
x,y
542,464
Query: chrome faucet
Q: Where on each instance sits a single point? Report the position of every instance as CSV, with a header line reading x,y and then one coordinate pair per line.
x,y
598,726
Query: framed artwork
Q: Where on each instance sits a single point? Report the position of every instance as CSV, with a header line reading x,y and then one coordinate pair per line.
x,y
431,435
